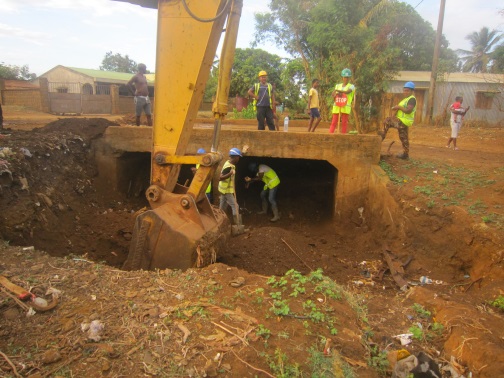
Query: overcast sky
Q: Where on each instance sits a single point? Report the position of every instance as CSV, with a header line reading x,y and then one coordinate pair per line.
x,y
77,33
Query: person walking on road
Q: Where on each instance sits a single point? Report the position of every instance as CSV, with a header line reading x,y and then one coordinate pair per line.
x,y
264,100
271,183
313,105
138,86
402,119
343,95
227,183
456,118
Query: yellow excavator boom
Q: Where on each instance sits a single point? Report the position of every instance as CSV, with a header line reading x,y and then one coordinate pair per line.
x,y
182,229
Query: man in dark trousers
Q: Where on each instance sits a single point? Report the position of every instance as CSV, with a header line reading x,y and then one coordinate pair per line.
x,y
403,118
264,100
138,86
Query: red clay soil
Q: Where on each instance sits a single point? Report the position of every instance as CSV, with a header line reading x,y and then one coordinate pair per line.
x,y
230,319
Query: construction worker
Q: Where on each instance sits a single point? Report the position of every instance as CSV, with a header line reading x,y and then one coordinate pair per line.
x,y
271,182
142,101
264,100
201,151
227,183
402,119
343,95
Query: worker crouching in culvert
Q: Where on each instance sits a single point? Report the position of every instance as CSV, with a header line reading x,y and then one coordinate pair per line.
x,y
271,182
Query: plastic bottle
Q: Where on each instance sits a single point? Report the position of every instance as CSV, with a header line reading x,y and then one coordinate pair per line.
x,y
286,124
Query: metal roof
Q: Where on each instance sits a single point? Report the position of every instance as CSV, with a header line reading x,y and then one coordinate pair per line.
x,y
110,76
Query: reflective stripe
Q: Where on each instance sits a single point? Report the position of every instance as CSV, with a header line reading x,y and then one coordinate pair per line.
x,y
406,119
256,92
270,179
209,189
348,107
227,186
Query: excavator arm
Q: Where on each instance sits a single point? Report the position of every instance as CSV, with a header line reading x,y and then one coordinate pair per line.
x,y
182,229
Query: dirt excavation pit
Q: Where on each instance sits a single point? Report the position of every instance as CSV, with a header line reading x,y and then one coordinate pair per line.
x,y
240,321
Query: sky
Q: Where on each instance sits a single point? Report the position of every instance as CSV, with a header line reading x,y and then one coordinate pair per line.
x,y
78,33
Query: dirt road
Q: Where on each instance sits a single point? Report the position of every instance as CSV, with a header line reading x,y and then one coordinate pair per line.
x,y
231,319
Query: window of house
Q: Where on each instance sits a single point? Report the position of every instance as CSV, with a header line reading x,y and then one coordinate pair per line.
x,y
484,99
87,89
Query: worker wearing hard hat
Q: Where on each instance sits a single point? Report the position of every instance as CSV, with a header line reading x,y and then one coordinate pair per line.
x,y
227,183
403,118
271,183
264,100
343,95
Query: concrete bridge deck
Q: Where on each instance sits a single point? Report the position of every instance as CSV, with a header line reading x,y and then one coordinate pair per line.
x,y
354,157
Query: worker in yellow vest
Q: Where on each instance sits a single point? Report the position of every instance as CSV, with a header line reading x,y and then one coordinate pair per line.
x,y
271,183
403,118
343,95
263,94
227,183
201,151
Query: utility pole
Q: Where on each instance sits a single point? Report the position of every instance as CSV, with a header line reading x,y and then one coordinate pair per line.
x,y
435,60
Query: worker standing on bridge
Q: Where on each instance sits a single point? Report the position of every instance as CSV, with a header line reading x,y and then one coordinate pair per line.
x,y
271,182
403,118
313,106
264,100
343,95
227,183
141,91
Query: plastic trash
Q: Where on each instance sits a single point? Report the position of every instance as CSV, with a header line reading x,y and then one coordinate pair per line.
x,y
425,280
25,152
404,338
286,124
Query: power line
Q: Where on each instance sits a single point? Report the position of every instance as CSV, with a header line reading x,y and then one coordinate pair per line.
x,y
418,4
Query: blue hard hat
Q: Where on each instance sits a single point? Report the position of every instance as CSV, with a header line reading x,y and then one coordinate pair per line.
x,y
201,151
409,85
235,152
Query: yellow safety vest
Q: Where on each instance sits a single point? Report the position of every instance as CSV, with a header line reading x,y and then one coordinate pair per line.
x,y
270,179
209,189
406,119
256,92
227,186
348,107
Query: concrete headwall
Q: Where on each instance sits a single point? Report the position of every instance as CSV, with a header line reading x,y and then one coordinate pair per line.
x,y
355,157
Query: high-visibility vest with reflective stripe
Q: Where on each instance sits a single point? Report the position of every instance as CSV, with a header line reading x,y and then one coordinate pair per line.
x,y
209,189
227,186
270,179
348,107
406,119
256,92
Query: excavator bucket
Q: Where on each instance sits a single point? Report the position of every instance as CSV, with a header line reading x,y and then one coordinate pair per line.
x,y
178,235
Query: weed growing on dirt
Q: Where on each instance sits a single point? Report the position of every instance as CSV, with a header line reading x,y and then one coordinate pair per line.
x,y
378,361
417,332
263,332
322,367
498,302
281,367
421,311
391,174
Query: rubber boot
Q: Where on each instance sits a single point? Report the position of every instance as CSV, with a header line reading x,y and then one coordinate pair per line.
x,y
264,208
276,214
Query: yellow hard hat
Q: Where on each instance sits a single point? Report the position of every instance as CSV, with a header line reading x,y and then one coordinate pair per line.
x,y
262,73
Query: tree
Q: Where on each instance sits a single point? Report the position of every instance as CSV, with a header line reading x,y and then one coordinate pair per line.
x,y
247,64
9,72
497,65
374,38
118,63
479,57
